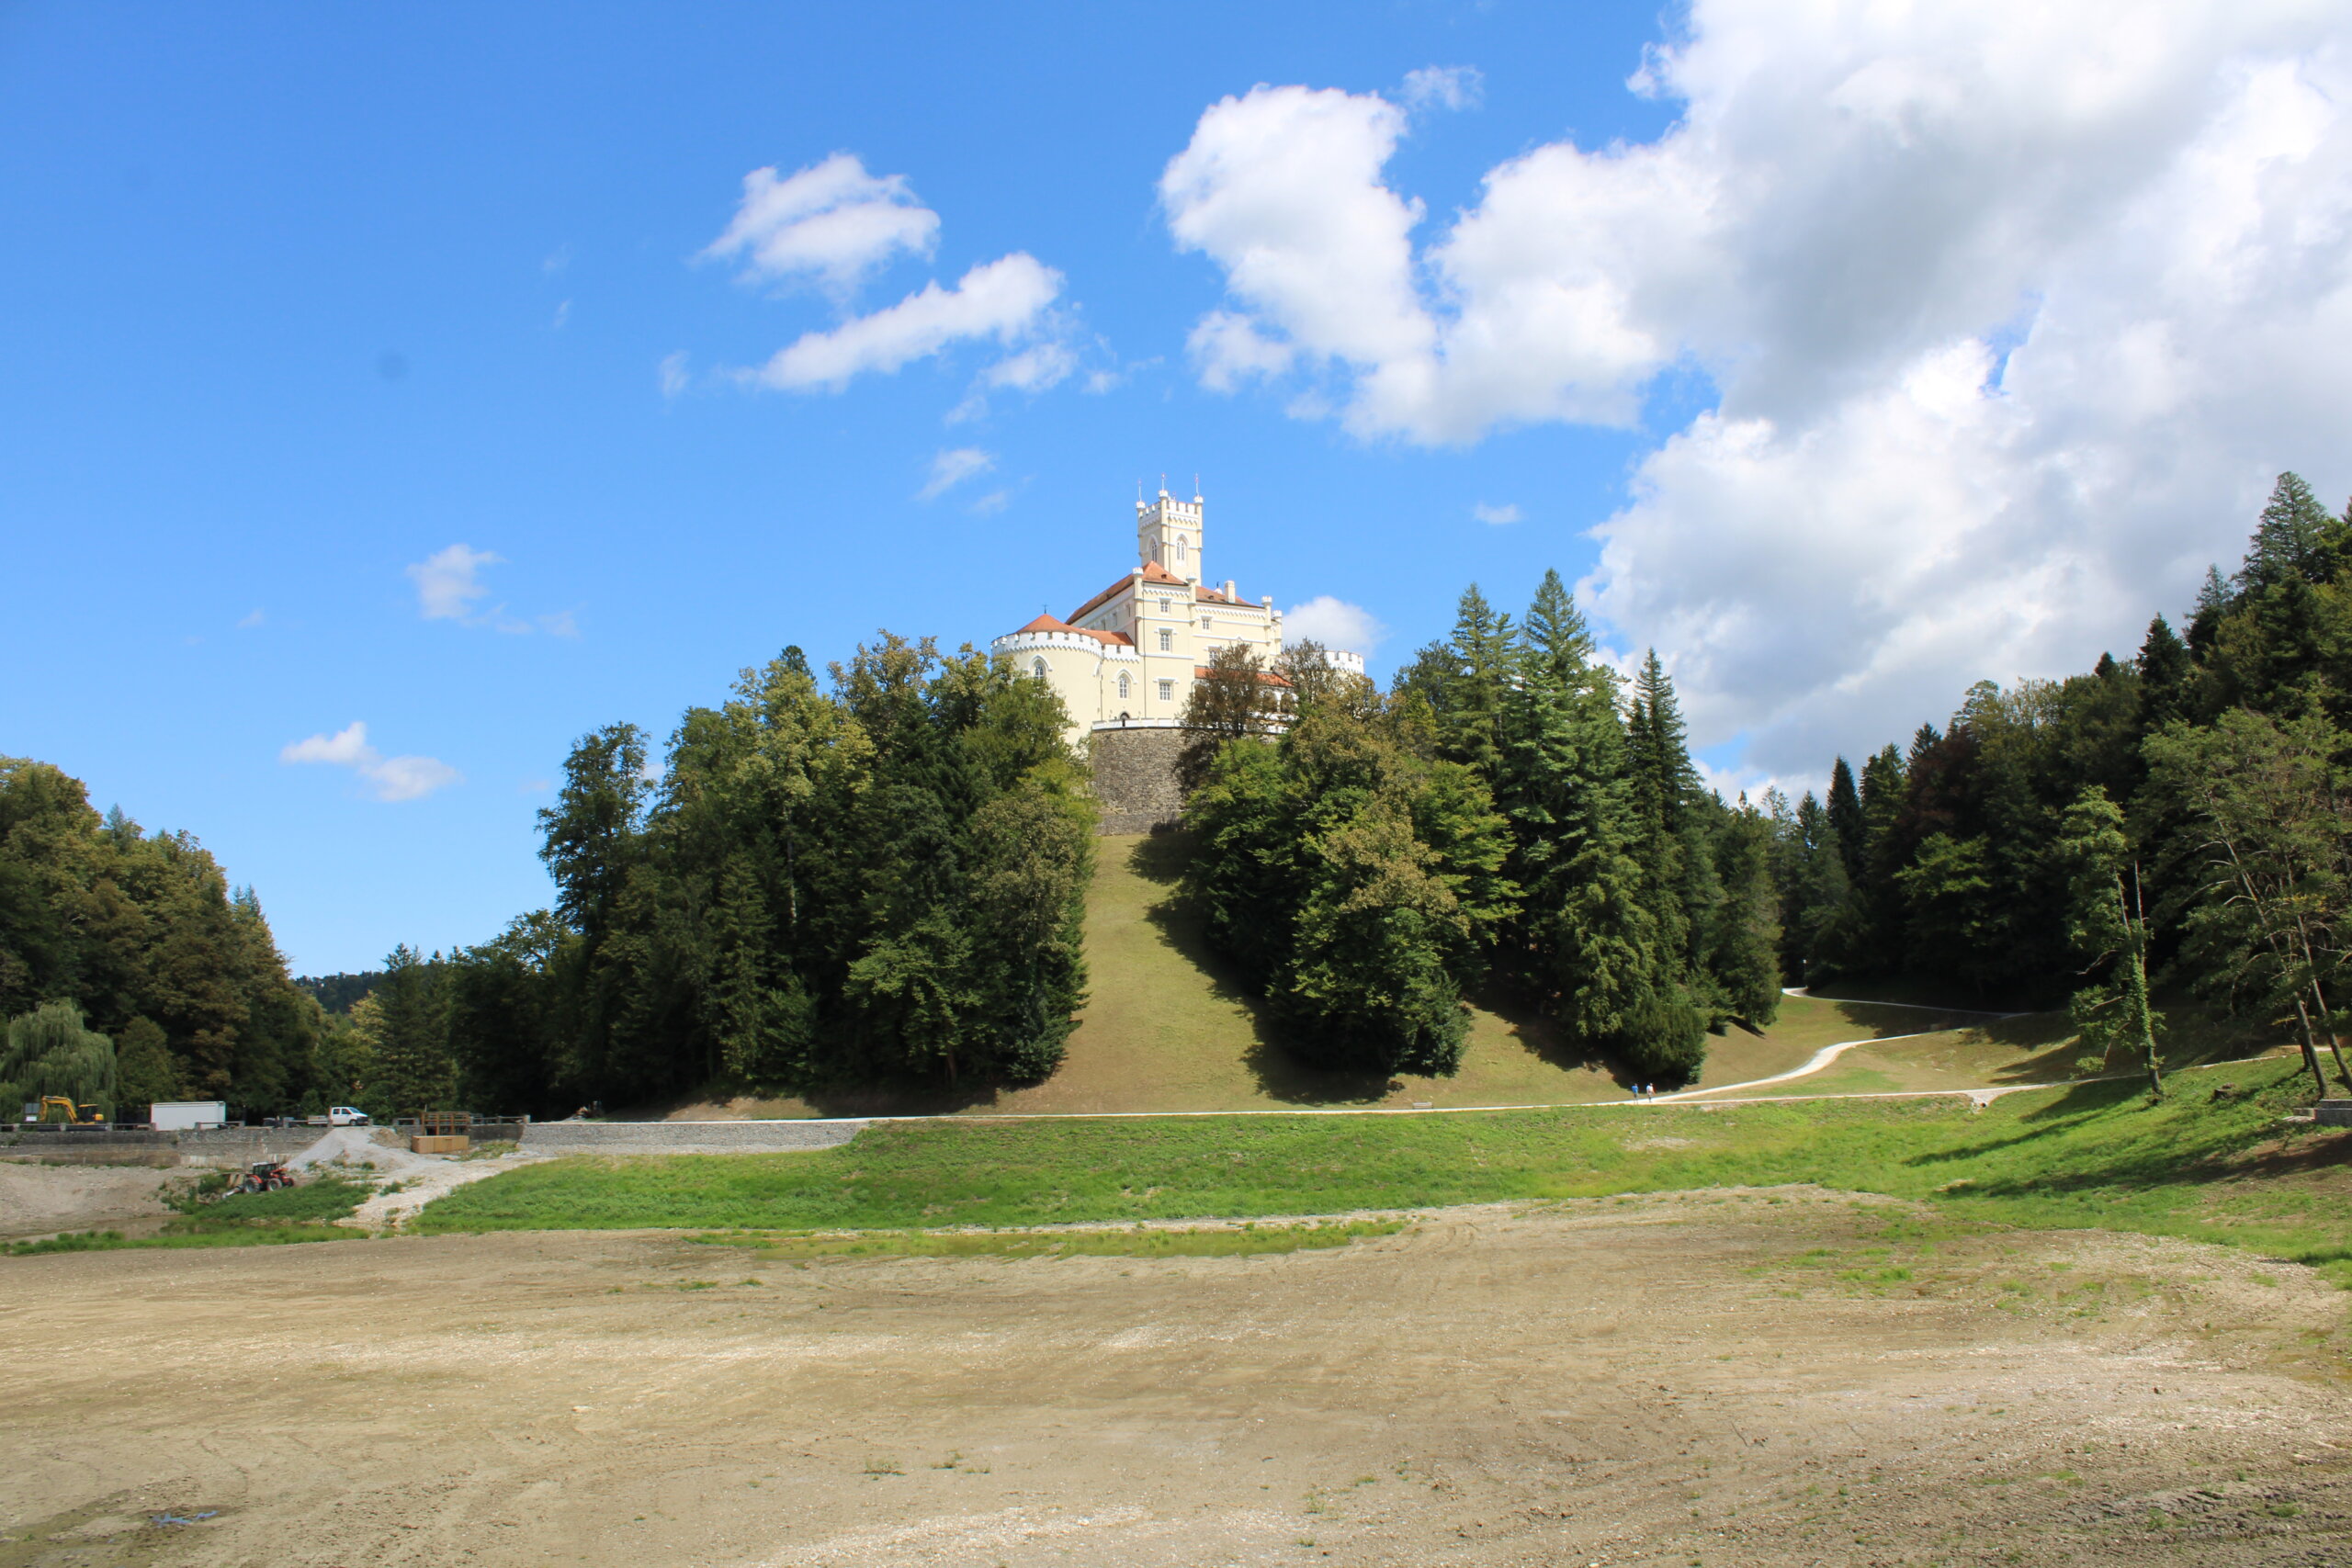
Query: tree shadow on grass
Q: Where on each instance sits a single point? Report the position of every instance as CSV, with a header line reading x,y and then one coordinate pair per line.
x,y
1541,1039
1280,1073
2181,1159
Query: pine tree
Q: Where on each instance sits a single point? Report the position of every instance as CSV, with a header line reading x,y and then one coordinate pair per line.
x,y
1845,807
2165,667
1470,712
2297,537
414,1069
2214,601
1745,958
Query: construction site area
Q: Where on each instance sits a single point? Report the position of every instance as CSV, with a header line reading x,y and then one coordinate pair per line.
x,y
1783,1375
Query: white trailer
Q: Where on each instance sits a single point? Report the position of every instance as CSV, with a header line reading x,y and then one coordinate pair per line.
x,y
185,1115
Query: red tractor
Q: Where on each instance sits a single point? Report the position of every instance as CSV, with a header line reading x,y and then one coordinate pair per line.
x,y
266,1176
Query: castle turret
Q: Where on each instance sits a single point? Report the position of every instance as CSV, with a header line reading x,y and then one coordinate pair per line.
x,y
1169,531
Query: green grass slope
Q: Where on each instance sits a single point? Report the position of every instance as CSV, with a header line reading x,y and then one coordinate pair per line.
x,y
2209,1162
1167,1028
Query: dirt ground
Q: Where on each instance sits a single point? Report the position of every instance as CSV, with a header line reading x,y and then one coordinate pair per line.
x,y
42,1199
1783,1378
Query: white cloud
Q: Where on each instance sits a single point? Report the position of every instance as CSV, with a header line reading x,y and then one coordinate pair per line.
x,y
1495,515
672,373
252,618
563,316
346,747
1032,369
952,467
1444,87
1004,299
1282,189
1334,623
387,778
831,221
1229,350
449,582
2014,310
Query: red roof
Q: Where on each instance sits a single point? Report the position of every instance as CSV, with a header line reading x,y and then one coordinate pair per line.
x,y
1106,593
1047,623
1158,575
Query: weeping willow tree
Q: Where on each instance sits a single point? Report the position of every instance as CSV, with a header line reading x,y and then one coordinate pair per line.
x,y
49,1052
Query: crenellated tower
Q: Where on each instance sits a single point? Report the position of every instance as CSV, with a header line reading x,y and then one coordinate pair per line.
x,y
1169,531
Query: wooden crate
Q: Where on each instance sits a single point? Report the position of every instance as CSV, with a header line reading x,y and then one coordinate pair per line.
x,y
441,1143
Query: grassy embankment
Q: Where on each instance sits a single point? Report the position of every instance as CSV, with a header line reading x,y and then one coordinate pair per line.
x,y
2203,1164
253,1219
1167,1028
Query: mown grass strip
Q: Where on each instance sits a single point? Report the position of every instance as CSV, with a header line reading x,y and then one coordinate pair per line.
x,y
252,1219
114,1241
2090,1155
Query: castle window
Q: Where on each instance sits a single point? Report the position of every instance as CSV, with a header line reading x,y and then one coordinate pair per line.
x,y
1123,686
1167,691
1037,668
1166,640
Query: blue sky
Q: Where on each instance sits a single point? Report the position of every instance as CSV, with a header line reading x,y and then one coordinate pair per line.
x,y
302,298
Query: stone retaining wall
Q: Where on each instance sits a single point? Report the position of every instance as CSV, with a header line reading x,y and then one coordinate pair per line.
x,y
1134,779
684,1137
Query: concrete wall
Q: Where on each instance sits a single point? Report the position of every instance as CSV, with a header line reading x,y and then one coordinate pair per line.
x,y
1134,779
684,1137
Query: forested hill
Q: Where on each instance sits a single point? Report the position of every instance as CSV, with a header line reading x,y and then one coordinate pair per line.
x,y
2185,815
139,939
339,993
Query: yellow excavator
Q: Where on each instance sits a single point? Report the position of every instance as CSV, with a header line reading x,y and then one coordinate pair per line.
x,y
80,1115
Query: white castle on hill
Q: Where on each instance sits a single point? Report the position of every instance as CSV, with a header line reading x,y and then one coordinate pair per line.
x,y
1127,656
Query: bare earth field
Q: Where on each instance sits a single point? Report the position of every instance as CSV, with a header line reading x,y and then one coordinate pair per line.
x,y
1787,1377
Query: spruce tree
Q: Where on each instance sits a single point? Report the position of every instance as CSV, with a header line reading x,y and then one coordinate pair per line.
x,y
2164,667
1469,713
414,1069
2297,537
1845,807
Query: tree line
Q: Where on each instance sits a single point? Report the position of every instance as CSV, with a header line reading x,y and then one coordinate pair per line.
x,y
130,970
879,882
2182,819
1510,813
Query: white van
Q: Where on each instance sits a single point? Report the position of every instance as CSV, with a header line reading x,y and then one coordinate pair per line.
x,y
340,1116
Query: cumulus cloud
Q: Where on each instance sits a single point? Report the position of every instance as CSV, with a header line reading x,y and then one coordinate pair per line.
x,y
1334,623
449,582
952,467
1004,299
836,223
2013,312
1495,515
387,778
832,222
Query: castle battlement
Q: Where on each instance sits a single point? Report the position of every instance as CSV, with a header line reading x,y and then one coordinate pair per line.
x,y
1020,642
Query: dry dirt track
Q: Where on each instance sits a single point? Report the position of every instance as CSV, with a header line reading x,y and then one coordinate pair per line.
x,y
1667,1380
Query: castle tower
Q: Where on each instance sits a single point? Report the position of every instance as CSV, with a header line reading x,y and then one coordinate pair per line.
x,y
1169,531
